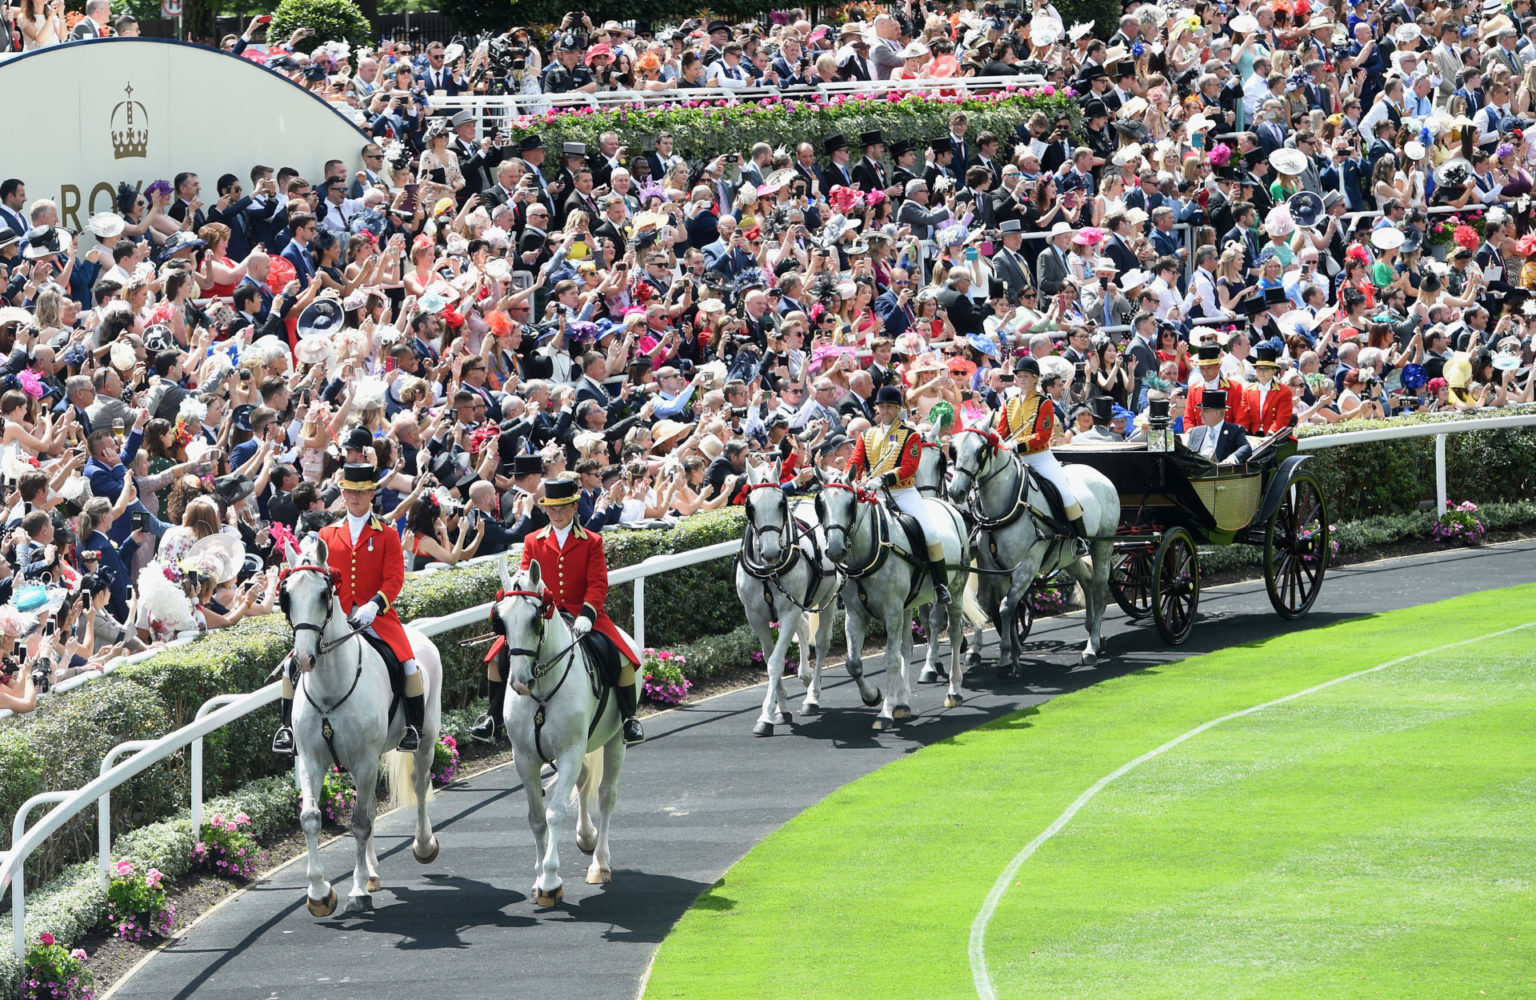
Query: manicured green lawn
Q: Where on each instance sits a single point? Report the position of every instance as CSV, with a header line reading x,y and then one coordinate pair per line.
x,y
1373,839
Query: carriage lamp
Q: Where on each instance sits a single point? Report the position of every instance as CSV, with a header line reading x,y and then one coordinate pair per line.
x,y
1159,433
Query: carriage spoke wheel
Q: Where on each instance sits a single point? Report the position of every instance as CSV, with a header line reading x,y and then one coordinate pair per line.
x,y
1175,586
1024,620
1297,547
1130,581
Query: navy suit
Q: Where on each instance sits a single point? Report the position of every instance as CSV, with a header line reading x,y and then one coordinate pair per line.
x,y
1232,442
703,229
897,320
111,567
303,264
721,257
265,294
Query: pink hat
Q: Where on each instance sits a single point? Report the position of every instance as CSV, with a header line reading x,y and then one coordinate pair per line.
x,y
600,49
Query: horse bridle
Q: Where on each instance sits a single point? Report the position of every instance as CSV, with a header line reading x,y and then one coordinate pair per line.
x,y
860,496
321,648
789,547
996,444
973,495
540,668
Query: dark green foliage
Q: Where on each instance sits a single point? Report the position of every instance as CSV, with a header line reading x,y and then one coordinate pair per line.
x,y
329,20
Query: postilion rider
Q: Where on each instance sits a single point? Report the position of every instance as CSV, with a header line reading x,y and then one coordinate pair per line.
x,y
888,455
366,560
1029,420
575,570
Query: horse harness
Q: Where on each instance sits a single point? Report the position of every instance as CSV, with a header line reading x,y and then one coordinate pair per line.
x,y
768,575
1016,508
600,691
882,544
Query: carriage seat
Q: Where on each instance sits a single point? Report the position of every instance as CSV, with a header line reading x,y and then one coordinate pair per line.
x,y
392,666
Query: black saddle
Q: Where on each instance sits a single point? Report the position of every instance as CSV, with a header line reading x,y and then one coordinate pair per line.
x,y
1055,510
914,533
392,666
604,656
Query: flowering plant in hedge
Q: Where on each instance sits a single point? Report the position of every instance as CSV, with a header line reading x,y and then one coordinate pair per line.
x,y
665,683
337,796
445,759
136,904
56,973
228,847
1459,525
1049,598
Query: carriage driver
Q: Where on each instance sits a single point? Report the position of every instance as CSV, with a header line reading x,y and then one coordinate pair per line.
x,y
575,570
888,455
1029,418
366,560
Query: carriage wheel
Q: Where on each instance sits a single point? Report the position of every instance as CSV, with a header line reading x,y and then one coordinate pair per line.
x,y
1175,586
1024,620
1130,581
1297,547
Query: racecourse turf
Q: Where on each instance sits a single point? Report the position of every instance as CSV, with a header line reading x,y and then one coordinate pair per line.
x,y
1375,838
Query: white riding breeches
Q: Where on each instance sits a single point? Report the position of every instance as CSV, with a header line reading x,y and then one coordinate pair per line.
x,y
408,667
1049,468
910,501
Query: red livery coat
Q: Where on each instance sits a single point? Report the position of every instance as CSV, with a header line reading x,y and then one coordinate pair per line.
x,y
1237,403
1276,412
577,576
374,566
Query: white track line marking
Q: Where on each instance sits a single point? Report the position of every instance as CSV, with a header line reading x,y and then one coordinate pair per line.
x,y
979,974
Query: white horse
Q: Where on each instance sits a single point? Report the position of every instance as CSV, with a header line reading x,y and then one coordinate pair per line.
x,y
1013,547
783,573
341,716
558,714
932,481
883,577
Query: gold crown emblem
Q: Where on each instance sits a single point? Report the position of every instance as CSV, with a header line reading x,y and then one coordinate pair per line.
x,y
129,128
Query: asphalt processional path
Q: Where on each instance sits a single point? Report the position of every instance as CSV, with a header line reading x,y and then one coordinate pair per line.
x,y
692,800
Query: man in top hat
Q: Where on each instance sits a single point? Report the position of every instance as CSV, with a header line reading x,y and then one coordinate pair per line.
x,y
1208,359
886,457
477,161
903,156
366,561
1269,403
1215,437
1103,410
837,171
868,173
1008,262
943,154
530,148
573,157
1028,421
573,568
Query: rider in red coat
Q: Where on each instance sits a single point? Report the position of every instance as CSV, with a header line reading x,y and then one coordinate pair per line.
x,y
574,569
365,559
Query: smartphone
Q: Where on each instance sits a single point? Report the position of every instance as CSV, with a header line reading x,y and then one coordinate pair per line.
x,y
140,520
264,19
409,204
389,366
1197,140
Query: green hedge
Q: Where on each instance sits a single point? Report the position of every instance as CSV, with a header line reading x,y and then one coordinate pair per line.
x,y
1362,480
704,131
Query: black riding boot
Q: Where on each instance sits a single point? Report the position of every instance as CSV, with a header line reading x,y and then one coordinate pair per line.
x,y
1080,532
415,718
282,740
490,725
940,571
628,701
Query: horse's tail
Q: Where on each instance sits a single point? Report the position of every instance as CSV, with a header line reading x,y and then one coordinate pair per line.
x,y
970,602
400,779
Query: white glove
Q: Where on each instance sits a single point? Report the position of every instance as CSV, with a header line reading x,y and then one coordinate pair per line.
x,y
364,615
581,626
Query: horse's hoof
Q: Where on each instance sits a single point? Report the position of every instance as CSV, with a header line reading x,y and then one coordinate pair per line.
x,y
810,709
972,659
1088,660
358,904
322,907
374,884
882,724
599,876
901,712
953,701
763,729
785,719
430,857
548,900
928,676
875,700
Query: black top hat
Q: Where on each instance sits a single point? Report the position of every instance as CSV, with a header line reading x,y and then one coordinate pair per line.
x,y
1254,157
1093,73
1266,354
1213,399
1126,67
889,394
1226,173
996,289
873,138
941,145
559,492
1254,305
1102,408
1095,109
359,476
1157,409
835,142
527,465
901,147
715,26
1208,351
1275,296
452,469
529,141
358,438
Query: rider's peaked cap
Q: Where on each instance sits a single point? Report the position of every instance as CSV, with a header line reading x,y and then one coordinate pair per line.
x,y
889,394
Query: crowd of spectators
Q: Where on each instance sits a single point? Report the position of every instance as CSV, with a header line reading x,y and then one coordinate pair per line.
x,y
471,315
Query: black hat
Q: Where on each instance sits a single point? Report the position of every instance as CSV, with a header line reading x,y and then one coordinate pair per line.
x,y
527,465
900,147
1136,131
942,144
358,438
1027,364
834,143
1254,157
1208,351
996,289
234,488
1102,408
242,416
873,138
1125,67
452,469
8,236
1157,407
1254,304
1091,74
359,476
889,394
1095,109
1275,296
1213,399
529,141
1228,173
1248,180
1266,354
559,492
715,26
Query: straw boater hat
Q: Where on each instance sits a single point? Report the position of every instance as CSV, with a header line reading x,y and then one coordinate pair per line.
x,y
559,493
359,476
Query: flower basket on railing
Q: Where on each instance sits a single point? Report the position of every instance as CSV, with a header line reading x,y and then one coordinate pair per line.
x,y
53,972
1459,525
136,904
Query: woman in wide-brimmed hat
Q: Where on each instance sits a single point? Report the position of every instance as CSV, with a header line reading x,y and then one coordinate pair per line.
x,y
439,172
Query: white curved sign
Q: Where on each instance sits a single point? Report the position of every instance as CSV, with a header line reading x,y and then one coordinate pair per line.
x,y
137,110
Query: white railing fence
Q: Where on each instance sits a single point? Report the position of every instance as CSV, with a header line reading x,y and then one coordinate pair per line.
x,y
221,711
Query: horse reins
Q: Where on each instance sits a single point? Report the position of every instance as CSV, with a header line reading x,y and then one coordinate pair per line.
x,y
765,573
540,668
327,731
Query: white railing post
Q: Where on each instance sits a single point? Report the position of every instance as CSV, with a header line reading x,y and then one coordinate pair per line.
x,y
639,632
104,807
1440,499
197,761
18,884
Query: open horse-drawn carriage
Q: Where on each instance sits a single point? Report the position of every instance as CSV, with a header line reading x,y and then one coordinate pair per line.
x,y
1172,500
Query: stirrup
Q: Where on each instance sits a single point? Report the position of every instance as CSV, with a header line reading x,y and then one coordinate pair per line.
x,y
486,729
1083,549
282,741
941,593
410,740
632,732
